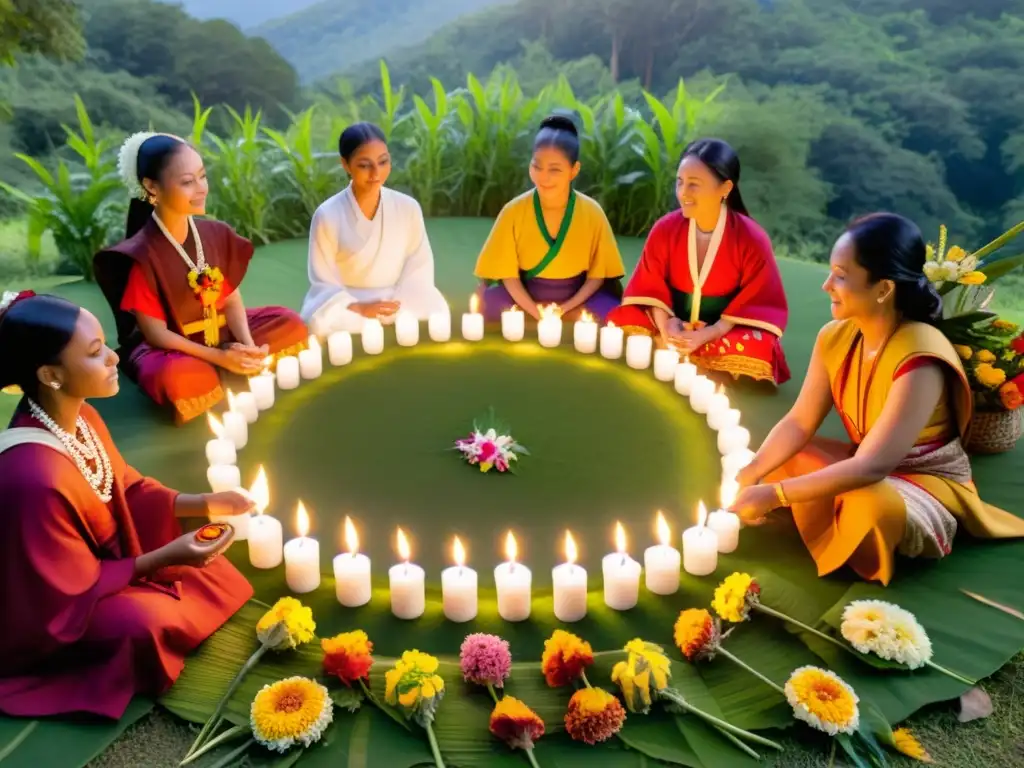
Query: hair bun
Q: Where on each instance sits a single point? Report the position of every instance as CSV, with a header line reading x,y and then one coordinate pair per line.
x,y
560,122
922,302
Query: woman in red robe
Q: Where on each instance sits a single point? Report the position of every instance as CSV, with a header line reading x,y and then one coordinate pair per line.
x,y
102,595
707,282
173,285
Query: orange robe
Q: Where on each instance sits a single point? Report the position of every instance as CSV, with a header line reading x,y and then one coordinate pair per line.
x,y
864,528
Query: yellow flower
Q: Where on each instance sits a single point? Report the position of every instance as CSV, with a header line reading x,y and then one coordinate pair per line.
x,y
972,278
696,634
348,656
594,715
1004,325
413,683
929,252
292,711
965,352
565,658
956,253
485,466
735,596
908,745
985,356
989,376
287,625
646,667
823,700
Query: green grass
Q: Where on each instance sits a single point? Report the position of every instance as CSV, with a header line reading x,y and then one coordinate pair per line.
x,y
15,264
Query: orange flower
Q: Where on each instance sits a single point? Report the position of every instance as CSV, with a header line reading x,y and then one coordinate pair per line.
x,y
697,634
907,744
515,723
1011,396
565,658
594,715
348,656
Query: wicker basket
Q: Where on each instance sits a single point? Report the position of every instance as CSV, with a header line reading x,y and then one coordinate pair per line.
x,y
995,431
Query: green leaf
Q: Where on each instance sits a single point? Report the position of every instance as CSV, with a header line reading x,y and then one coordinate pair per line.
x,y
656,737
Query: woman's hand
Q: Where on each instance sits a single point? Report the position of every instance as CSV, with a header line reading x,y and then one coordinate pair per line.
x,y
747,476
185,550
376,309
687,337
228,503
244,361
754,503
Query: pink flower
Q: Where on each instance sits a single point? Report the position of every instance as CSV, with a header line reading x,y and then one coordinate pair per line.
x,y
488,450
485,660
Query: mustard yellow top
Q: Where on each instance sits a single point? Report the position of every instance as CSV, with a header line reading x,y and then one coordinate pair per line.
x,y
517,243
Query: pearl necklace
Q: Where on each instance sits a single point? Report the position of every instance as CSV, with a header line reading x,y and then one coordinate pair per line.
x,y
82,451
199,264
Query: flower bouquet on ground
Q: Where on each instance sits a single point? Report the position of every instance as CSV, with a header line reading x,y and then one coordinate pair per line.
x,y
490,446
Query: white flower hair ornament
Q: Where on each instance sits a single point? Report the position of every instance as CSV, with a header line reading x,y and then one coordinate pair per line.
x,y
128,161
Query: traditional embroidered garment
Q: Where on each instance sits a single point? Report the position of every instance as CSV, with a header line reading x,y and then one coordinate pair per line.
x,y
145,274
738,280
918,509
81,633
353,259
553,267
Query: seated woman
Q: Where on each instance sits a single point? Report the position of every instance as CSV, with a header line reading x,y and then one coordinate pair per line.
x,y
102,596
904,485
707,282
369,254
551,245
173,285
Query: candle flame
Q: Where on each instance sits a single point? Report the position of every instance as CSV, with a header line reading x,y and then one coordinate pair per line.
x,y
260,491
458,552
301,520
351,537
232,403
664,532
727,494
570,549
474,304
514,308
403,546
267,362
702,514
586,317
721,389
610,324
620,538
215,426
511,550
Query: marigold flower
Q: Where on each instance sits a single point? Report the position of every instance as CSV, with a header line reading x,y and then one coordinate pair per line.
x,y
956,253
485,660
964,351
907,744
646,667
292,711
1010,396
594,715
989,376
697,634
565,658
515,723
414,684
985,356
823,700
736,596
972,278
1004,325
287,625
886,630
348,656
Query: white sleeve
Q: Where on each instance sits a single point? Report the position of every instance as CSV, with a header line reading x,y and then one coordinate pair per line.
x,y
325,307
415,289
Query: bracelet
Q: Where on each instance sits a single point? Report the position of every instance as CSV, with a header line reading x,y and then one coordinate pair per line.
x,y
780,492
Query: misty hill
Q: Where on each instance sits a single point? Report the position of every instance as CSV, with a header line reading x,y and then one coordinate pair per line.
x,y
243,13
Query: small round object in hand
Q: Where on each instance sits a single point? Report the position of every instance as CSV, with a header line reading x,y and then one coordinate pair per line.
x,y
211,532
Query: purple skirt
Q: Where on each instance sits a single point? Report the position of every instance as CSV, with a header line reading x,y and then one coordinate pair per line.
x,y
494,299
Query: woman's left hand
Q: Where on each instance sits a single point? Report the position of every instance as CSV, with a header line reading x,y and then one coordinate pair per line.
x,y
754,502
691,338
229,503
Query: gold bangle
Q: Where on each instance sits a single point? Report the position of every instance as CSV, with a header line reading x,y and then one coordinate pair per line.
x,y
780,492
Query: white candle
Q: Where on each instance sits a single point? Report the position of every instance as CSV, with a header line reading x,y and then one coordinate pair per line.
x,y
665,363
408,593
584,334
621,575
733,462
724,523
288,372
513,582
723,419
729,491
686,374
611,342
311,360
717,405
570,585
661,562
302,557
513,324
339,348
439,326
733,439
220,450
352,571
223,477
473,321
262,388
701,392
459,588
638,351
372,336
407,329
265,533
236,429
549,327
245,404
700,546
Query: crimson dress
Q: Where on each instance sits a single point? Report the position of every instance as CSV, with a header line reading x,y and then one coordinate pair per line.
x,y
81,633
741,284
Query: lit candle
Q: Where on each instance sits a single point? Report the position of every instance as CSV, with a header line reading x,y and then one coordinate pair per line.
x,y
352,571
223,477
701,392
700,546
236,428
570,585
219,450
245,404
439,325
513,324
372,336
288,372
549,327
408,594
473,321
262,387
311,360
661,562
665,363
724,523
733,462
733,439
717,405
584,333
638,351
621,575
407,329
686,374
611,342
265,534
513,581
302,557
339,348
723,419
459,587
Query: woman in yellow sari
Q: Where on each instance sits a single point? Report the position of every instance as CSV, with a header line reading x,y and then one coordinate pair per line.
x,y
904,485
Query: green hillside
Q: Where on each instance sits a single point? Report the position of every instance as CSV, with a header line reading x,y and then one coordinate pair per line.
x,y
243,13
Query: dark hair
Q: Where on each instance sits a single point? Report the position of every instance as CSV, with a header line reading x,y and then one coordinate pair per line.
x,y
724,163
559,131
891,247
355,136
33,333
155,154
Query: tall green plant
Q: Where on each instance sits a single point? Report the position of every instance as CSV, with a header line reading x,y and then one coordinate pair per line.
x,y
426,172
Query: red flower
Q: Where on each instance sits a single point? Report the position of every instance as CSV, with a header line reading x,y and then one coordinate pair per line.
x,y
1017,345
488,450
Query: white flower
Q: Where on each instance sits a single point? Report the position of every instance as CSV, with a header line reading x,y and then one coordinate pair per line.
x,y
886,630
936,273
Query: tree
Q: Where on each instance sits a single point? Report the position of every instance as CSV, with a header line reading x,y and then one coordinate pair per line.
x,y
48,27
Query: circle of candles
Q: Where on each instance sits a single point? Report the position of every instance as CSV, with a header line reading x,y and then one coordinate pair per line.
x,y
549,327
733,462
352,571
724,523
611,342
302,557
311,360
407,328
733,439
513,324
473,321
686,374
439,326
245,404
700,546
266,537
236,428
513,582
339,348
719,420
262,387
288,372
717,405
219,450
570,585
223,477
665,363
584,333
621,575
638,351
701,392
372,336
408,593
661,562
459,588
